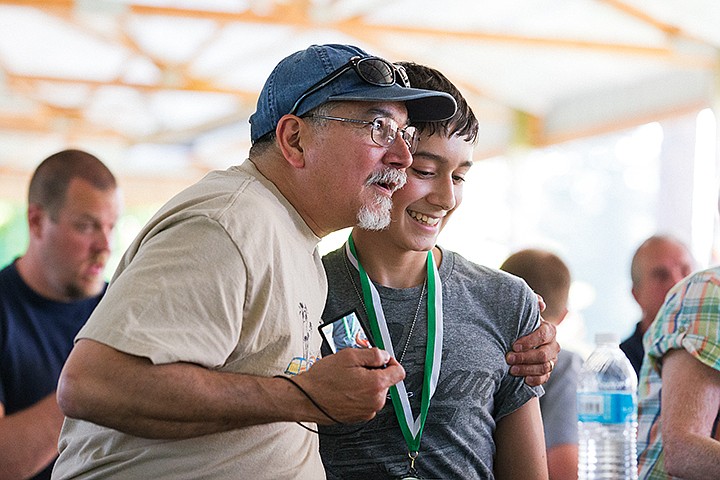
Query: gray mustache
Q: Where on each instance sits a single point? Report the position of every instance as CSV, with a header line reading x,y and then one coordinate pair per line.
x,y
388,176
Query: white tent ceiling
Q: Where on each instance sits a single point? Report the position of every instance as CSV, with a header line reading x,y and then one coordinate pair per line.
x,y
162,89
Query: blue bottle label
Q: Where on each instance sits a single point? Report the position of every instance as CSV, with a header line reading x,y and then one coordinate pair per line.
x,y
606,407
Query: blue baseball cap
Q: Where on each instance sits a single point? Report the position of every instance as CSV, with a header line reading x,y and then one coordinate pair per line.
x,y
302,70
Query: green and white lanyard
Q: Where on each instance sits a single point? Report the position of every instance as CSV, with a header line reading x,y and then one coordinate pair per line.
x,y
411,428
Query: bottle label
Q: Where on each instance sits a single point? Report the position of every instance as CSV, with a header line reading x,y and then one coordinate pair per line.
x,y
606,407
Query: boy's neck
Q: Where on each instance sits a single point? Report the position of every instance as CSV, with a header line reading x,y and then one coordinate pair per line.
x,y
389,265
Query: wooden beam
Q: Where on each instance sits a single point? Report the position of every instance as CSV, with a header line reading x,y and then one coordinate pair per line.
x,y
644,17
41,4
358,27
191,85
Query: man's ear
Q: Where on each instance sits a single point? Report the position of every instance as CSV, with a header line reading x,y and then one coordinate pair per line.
x,y
35,215
289,134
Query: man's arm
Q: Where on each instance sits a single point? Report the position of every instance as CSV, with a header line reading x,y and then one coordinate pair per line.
x,y
182,400
690,404
520,444
534,355
563,461
28,438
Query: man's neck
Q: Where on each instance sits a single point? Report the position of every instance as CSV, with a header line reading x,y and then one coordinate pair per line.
x,y
646,322
30,269
295,191
389,265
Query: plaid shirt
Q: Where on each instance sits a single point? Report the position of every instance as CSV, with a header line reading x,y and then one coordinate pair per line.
x,y
689,319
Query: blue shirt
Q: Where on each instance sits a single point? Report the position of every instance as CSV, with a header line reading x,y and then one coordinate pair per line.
x,y
36,336
633,348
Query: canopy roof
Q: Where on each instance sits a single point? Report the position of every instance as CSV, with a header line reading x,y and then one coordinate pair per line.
x,y
162,90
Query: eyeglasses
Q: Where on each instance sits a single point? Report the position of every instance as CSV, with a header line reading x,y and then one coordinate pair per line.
x,y
384,130
373,70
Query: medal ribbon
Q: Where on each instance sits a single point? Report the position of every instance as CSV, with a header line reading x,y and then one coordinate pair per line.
x,y
411,428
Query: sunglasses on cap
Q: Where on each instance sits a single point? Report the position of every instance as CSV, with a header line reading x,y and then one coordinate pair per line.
x,y
373,70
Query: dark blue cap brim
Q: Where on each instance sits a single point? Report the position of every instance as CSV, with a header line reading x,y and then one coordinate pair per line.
x,y
422,105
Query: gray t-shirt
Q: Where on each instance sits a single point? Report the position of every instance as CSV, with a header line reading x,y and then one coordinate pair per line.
x,y
559,405
484,311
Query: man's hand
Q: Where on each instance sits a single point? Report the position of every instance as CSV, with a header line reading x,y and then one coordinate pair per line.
x,y
351,385
534,355
541,303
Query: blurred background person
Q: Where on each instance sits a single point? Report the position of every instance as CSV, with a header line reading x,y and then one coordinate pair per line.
x,y
46,295
679,386
659,262
549,277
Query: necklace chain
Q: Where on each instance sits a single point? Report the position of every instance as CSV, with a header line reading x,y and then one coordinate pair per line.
x,y
412,325
417,309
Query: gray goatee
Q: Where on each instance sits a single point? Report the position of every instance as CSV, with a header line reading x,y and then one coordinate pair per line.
x,y
376,214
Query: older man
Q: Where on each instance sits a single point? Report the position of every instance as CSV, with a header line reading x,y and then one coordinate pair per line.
x,y
659,263
173,375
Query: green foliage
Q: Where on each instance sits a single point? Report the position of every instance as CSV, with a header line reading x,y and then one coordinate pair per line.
x,y
13,231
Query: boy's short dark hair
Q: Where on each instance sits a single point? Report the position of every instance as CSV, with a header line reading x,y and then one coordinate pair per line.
x,y
463,123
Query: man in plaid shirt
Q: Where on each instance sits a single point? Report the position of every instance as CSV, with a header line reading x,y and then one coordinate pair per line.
x,y
681,373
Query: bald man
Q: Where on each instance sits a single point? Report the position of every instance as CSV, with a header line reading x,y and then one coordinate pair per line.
x,y
660,262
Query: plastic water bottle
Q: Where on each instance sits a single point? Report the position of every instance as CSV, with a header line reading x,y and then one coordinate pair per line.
x,y
607,413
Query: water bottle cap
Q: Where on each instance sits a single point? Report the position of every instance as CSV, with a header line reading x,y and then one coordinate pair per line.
x,y
607,337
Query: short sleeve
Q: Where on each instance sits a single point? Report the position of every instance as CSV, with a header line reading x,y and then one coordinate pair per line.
x,y
689,319
180,299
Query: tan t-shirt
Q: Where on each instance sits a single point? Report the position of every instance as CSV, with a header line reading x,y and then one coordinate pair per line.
x,y
227,276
